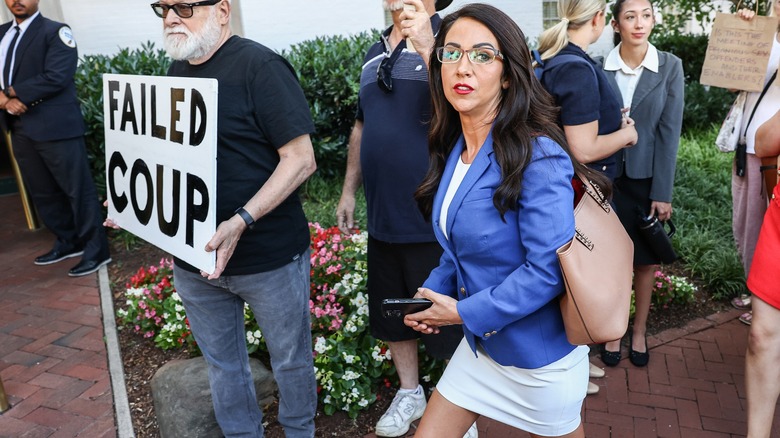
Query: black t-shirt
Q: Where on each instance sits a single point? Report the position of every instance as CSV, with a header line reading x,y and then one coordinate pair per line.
x,y
261,107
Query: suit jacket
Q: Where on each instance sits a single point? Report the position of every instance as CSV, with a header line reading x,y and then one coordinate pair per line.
x,y
43,80
505,273
657,109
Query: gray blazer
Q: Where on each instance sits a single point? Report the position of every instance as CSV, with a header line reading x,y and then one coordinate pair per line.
x,y
657,109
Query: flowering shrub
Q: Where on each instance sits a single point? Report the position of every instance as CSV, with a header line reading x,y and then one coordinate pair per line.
x,y
671,289
668,290
154,308
349,362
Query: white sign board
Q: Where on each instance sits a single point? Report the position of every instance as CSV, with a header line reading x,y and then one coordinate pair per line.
x,y
161,161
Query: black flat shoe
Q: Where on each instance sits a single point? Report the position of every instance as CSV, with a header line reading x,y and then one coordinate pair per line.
x,y
637,358
610,358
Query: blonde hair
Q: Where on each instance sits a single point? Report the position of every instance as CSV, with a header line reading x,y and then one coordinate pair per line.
x,y
573,14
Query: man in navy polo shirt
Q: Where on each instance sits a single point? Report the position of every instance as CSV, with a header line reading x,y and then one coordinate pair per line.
x,y
388,152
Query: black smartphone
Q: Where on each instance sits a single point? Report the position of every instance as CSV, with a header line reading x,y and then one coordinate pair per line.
x,y
398,307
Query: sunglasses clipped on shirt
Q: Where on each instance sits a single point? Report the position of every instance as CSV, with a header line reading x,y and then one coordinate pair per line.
x,y
384,73
183,10
476,55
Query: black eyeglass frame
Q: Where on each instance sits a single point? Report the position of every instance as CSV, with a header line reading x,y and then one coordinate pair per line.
x,y
161,9
496,54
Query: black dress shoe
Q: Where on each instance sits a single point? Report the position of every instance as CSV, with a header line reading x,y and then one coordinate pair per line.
x,y
610,358
57,255
637,358
86,267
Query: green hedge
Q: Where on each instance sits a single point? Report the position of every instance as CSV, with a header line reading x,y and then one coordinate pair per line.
x,y
704,105
89,81
329,71
702,214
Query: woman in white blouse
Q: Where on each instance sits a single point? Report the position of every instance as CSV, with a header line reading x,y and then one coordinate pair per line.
x,y
651,85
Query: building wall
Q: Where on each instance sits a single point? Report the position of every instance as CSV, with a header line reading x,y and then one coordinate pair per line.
x,y
105,26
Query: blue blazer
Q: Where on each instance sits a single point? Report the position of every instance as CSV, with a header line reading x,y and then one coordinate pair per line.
x,y
505,273
43,80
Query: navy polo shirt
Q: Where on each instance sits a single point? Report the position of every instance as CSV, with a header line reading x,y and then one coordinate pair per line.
x,y
585,98
394,144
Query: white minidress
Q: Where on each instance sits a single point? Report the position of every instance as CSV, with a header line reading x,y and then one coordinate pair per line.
x,y
545,401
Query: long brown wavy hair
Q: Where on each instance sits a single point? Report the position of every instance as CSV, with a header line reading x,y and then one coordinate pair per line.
x,y
525,111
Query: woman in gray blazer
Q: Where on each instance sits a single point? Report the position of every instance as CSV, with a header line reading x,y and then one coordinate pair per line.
x,y
650,83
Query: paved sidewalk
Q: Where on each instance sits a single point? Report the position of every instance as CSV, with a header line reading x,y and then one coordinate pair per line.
x,y
53,362
693,387
53,359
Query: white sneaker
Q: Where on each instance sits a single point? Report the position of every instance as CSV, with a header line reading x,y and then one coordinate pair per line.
x,y
472,432
405,408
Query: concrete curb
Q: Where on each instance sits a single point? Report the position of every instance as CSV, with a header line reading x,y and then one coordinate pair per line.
x,y
124,424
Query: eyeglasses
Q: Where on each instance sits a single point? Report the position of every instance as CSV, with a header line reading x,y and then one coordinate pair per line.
x,y
183,10
384,73
477,55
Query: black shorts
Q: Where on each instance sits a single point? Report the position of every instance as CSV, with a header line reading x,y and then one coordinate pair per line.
x,y
396,270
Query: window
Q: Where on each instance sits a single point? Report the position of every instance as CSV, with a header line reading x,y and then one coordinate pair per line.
x,y
549,13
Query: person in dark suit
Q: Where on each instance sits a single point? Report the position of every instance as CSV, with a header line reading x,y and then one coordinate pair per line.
x,y
650,84
39,59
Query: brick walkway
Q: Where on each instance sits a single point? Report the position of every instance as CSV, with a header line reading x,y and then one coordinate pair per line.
x,y
693,387
54,367
52,355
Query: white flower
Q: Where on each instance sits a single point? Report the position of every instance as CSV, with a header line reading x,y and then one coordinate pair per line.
x,y
176,296
348,358
320,345
363,403
350,375
178,308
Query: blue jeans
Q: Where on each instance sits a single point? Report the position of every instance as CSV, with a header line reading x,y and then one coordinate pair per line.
x,y
280,301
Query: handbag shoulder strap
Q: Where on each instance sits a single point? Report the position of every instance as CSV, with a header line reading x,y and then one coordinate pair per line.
x,y
761,96
594,191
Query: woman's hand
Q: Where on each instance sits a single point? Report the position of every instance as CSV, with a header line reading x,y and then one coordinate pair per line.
x,y
629,126
663,210
444,311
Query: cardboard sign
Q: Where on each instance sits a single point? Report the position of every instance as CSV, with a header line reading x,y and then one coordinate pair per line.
x,y
161,161
738,52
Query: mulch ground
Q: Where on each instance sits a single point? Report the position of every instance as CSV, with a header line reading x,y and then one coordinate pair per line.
x,y
141,358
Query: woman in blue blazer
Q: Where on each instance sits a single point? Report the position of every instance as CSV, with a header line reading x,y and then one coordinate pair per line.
x,y
650,85
499,193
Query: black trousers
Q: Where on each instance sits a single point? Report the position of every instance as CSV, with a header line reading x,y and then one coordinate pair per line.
x,y
58,178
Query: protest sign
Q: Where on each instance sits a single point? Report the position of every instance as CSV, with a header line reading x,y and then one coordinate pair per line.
x,y
738,52
161,161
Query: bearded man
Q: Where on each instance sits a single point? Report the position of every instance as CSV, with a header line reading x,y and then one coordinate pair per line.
x,y
264,153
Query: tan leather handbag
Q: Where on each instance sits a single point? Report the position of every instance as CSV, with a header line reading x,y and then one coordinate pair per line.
x,y
597,266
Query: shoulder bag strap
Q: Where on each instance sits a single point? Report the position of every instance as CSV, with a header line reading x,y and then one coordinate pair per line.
x,y
761,96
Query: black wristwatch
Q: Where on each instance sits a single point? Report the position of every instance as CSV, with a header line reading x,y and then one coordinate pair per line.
x,y
250,221
7,93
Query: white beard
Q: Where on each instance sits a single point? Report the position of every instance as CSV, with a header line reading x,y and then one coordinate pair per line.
x,y
393,5
183,45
